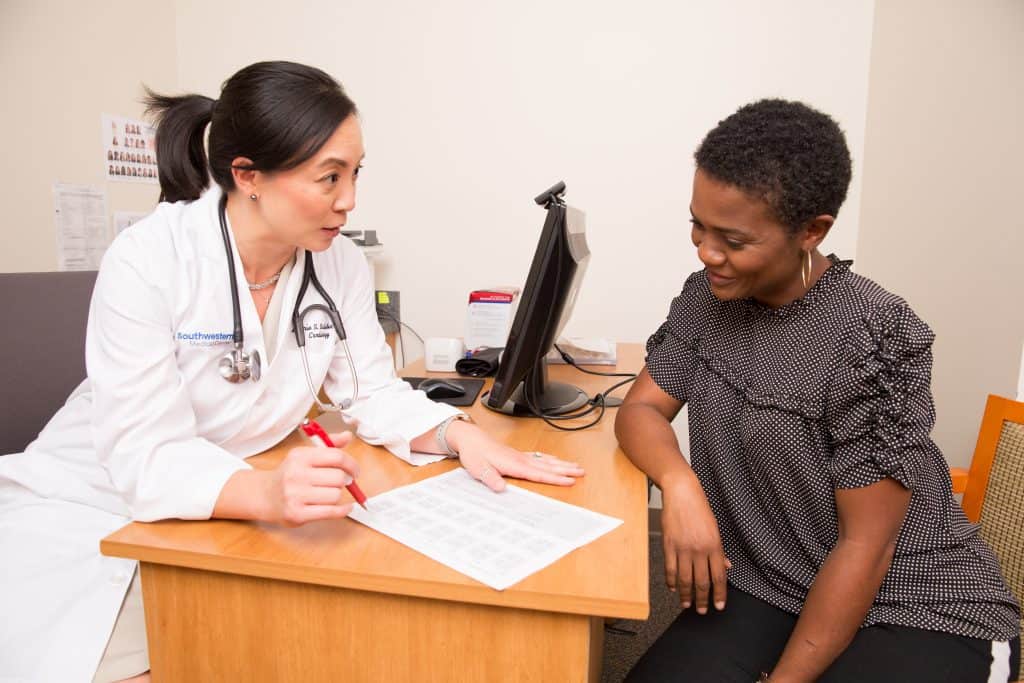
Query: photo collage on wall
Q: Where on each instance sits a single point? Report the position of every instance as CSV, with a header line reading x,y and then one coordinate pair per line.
x,y
129,148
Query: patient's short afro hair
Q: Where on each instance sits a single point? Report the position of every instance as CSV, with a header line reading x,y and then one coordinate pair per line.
x,y
785,153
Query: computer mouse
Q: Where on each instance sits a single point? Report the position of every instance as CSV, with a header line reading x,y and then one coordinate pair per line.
x,y
441,388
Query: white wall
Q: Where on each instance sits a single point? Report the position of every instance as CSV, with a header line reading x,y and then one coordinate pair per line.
x,y
1020,382
470,109
64,64
942,222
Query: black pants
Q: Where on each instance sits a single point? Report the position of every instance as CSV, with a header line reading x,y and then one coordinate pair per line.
x,y
748,637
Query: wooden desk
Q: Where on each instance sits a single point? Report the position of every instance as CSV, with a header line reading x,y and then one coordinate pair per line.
x,y
334,600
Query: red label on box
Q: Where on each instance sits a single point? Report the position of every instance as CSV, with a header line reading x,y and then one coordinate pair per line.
x,y
491,297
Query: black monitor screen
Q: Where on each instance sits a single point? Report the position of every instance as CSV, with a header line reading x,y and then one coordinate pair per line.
x,y
521,386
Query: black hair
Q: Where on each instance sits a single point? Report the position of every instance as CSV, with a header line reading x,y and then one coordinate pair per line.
x,y
277,114
787,154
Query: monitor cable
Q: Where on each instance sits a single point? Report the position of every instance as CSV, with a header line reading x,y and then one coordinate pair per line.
x,y
609,402
398,328
596,403
599,402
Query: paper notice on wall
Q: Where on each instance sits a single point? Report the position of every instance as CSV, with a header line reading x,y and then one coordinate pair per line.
x,y
82,233
126,219
129,148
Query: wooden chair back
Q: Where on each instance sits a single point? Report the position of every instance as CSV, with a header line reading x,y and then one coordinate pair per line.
x,y
994,493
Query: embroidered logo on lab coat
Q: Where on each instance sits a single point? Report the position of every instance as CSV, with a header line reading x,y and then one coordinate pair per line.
x,y
204,338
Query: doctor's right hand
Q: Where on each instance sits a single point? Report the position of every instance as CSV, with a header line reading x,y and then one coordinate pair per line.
x,y
309,484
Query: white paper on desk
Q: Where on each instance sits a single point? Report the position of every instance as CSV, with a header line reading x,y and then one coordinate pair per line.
x,y
82,233
496,538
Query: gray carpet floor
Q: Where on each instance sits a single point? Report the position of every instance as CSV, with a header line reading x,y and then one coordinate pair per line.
x,y
622,650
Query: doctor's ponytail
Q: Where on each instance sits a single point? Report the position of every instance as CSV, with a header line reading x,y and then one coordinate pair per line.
x,y
181,156
275,114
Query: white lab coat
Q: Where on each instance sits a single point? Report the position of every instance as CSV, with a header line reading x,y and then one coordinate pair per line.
x,y
154,432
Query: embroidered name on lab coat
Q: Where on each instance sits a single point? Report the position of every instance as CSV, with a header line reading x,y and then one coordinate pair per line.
x,y
318,330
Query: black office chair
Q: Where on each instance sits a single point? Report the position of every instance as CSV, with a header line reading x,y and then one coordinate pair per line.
x,y
42,346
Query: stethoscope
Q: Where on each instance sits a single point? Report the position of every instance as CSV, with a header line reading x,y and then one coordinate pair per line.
x,y
238,365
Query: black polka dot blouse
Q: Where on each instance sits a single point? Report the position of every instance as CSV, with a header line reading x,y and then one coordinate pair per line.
x,y
829,392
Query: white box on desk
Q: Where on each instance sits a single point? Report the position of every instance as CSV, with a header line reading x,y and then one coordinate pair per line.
x,y
440,354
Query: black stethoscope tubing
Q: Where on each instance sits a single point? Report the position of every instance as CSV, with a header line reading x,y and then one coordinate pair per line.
x,y
309,275
298,316
236,309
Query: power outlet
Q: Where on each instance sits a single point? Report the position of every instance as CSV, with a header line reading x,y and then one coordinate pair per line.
x,y
389,310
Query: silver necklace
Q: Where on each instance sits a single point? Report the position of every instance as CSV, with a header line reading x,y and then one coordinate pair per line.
x,y
266,283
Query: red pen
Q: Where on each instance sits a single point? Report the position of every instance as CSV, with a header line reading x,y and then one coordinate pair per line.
x,y
316,433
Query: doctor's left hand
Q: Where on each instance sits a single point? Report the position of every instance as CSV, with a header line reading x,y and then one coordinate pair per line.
x,y
309,484
487,460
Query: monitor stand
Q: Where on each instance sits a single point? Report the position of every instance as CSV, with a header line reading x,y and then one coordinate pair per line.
x,y
551,398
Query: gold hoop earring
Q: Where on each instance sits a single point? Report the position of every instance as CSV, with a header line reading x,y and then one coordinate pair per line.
x,y
805,274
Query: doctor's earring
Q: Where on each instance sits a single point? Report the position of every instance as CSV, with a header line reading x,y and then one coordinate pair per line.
x,y
253,196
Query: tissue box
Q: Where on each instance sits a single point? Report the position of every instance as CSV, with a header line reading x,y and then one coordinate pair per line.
x,y
489,316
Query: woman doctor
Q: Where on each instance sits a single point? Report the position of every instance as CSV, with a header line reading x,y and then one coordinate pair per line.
x,y
177,397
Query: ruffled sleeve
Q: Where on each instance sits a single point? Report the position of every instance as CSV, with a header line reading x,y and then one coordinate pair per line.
x,y
671,349
880,405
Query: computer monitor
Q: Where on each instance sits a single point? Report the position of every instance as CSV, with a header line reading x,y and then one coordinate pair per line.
x,y
521,385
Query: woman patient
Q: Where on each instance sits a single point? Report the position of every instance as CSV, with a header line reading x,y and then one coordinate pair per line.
x,y
814,533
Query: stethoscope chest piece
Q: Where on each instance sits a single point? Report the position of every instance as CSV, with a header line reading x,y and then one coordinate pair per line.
x,y
237,366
